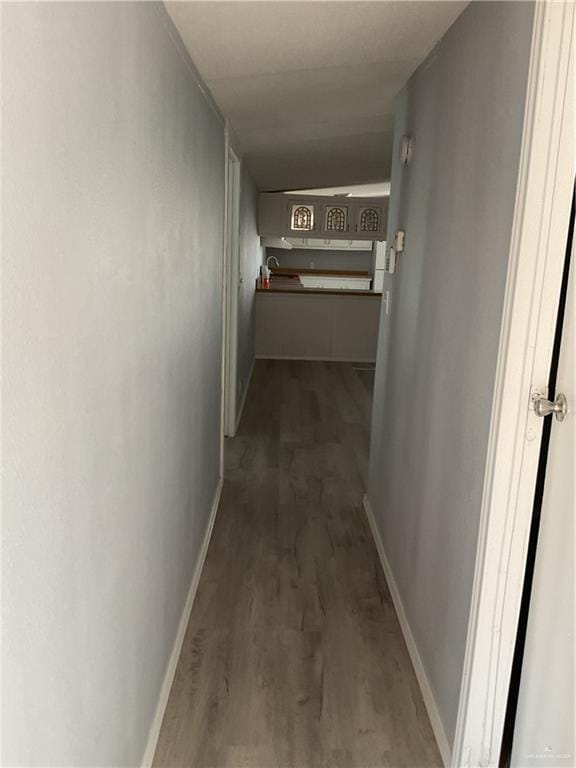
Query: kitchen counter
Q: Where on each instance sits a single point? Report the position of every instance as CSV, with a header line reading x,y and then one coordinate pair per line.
x,y
297,323
285,281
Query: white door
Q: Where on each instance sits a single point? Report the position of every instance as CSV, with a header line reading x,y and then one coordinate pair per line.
x,y
544,728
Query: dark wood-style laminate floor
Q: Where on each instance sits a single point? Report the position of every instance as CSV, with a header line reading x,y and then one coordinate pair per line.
x,y
293,656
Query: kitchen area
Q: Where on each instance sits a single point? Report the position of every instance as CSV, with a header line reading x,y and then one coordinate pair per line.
x,y
319,293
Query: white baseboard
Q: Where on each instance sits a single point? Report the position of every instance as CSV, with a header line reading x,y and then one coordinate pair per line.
x,y
240,410
321,359
177,647
425,688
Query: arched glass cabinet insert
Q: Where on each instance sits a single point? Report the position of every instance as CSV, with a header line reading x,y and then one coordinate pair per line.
x,y
336,219
302,219
369,220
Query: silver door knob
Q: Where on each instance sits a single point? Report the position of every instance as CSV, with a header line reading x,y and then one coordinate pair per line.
x,y
559,407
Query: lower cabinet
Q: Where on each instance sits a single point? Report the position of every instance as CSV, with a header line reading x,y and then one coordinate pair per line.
x,y
332,281
317,327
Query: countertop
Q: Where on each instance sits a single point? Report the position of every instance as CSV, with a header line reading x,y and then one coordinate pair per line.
x,y
286,281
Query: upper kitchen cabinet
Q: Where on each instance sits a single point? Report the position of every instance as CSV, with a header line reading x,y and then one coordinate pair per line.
x,y
336,218
370,219
283,215
302,217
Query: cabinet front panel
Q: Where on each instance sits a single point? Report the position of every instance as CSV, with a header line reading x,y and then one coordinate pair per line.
x,y
336,218
302,218
369,219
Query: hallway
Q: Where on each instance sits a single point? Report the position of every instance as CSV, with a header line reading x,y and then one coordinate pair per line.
x,y
293,654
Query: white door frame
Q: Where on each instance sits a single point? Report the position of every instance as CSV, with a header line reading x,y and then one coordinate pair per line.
x,y
230,285
545,717
537,252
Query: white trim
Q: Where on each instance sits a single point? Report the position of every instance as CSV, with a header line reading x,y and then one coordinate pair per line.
x,y
231,281
244,396
224,299
425,687
535,267
318,359
179,639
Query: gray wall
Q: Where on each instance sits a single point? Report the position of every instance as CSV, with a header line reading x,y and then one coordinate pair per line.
x,y
113,195
250,259
438,346
302,258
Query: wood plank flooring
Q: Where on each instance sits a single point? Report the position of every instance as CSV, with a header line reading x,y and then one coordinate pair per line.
x,y
293,656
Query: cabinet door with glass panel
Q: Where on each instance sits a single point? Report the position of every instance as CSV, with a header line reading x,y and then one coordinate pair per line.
x,y
302,217
369,219
336,219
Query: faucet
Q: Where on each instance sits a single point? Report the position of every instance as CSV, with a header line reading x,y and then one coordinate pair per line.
x,y
275,259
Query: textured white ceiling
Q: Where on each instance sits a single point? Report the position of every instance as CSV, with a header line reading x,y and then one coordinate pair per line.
x,y
308,87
